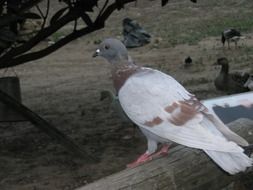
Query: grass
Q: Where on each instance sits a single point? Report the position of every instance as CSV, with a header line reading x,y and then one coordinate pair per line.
x,y
57,35
196,31
190,27
196,81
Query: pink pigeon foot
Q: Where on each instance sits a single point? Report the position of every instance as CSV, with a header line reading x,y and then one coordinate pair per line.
x,y
162,152
142,159
148,157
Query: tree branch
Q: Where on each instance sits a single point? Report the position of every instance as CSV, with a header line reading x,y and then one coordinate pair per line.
x,y
39,54
109,10
14,56
44,33
7,19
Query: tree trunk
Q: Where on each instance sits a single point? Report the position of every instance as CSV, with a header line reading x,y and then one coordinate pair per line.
x,y
183,169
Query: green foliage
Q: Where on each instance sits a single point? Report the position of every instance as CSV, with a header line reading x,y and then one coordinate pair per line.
x,y
56,36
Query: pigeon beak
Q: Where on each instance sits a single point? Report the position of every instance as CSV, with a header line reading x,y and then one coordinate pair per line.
x,y
96,53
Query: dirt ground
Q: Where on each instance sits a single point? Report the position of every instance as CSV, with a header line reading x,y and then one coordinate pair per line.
x,y
64,88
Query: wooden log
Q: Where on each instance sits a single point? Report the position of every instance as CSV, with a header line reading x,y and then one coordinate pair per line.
x,y
183,169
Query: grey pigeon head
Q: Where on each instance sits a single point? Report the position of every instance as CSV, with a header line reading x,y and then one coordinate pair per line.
x,y
112,50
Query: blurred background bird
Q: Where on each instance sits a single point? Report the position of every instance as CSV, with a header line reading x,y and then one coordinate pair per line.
x,y
230,82
187,62
134,34
231,35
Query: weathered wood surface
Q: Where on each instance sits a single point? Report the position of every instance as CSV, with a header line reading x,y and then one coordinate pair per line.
x,y
183,169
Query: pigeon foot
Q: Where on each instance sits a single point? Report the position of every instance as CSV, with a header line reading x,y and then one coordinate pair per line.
x,y
148,157
142,159
162,152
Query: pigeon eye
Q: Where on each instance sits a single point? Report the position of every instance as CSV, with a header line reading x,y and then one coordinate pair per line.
x,y
107,47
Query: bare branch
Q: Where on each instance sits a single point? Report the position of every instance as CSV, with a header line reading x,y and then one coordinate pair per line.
x,y
44,33
40,11
103,8
6,20
44,17
16,56
109,10
75,25
39,54
86,19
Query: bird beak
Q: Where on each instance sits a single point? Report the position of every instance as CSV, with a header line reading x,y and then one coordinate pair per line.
x,y
96,53
215,63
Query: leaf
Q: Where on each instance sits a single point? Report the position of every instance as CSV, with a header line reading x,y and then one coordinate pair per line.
x,y
86,5
7,35
6,19
31,16
57,15
119,4
4,44
164,2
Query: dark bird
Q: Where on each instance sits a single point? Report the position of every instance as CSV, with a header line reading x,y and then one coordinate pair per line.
x,y
187,62
134,34
230,82
231,35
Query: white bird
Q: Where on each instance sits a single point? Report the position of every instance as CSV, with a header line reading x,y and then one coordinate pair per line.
x,y
166,112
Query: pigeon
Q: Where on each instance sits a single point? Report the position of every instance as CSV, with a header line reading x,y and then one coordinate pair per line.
x,y
230,82
231,35
166,112
187,62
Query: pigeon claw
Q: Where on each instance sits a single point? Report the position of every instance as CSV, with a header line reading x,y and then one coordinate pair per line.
x,y
162,152
148,157
142,159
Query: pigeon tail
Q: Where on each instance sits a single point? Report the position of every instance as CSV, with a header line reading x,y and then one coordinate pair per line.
x,y
212,121
230,162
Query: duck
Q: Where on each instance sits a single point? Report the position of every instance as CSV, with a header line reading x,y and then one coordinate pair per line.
x,y
231,35
230,82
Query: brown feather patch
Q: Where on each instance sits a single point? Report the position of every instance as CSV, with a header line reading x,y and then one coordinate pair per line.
x,y
121,74
171,108
183,111
154,122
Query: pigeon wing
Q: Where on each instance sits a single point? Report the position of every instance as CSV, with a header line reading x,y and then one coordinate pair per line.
x,y
160,105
